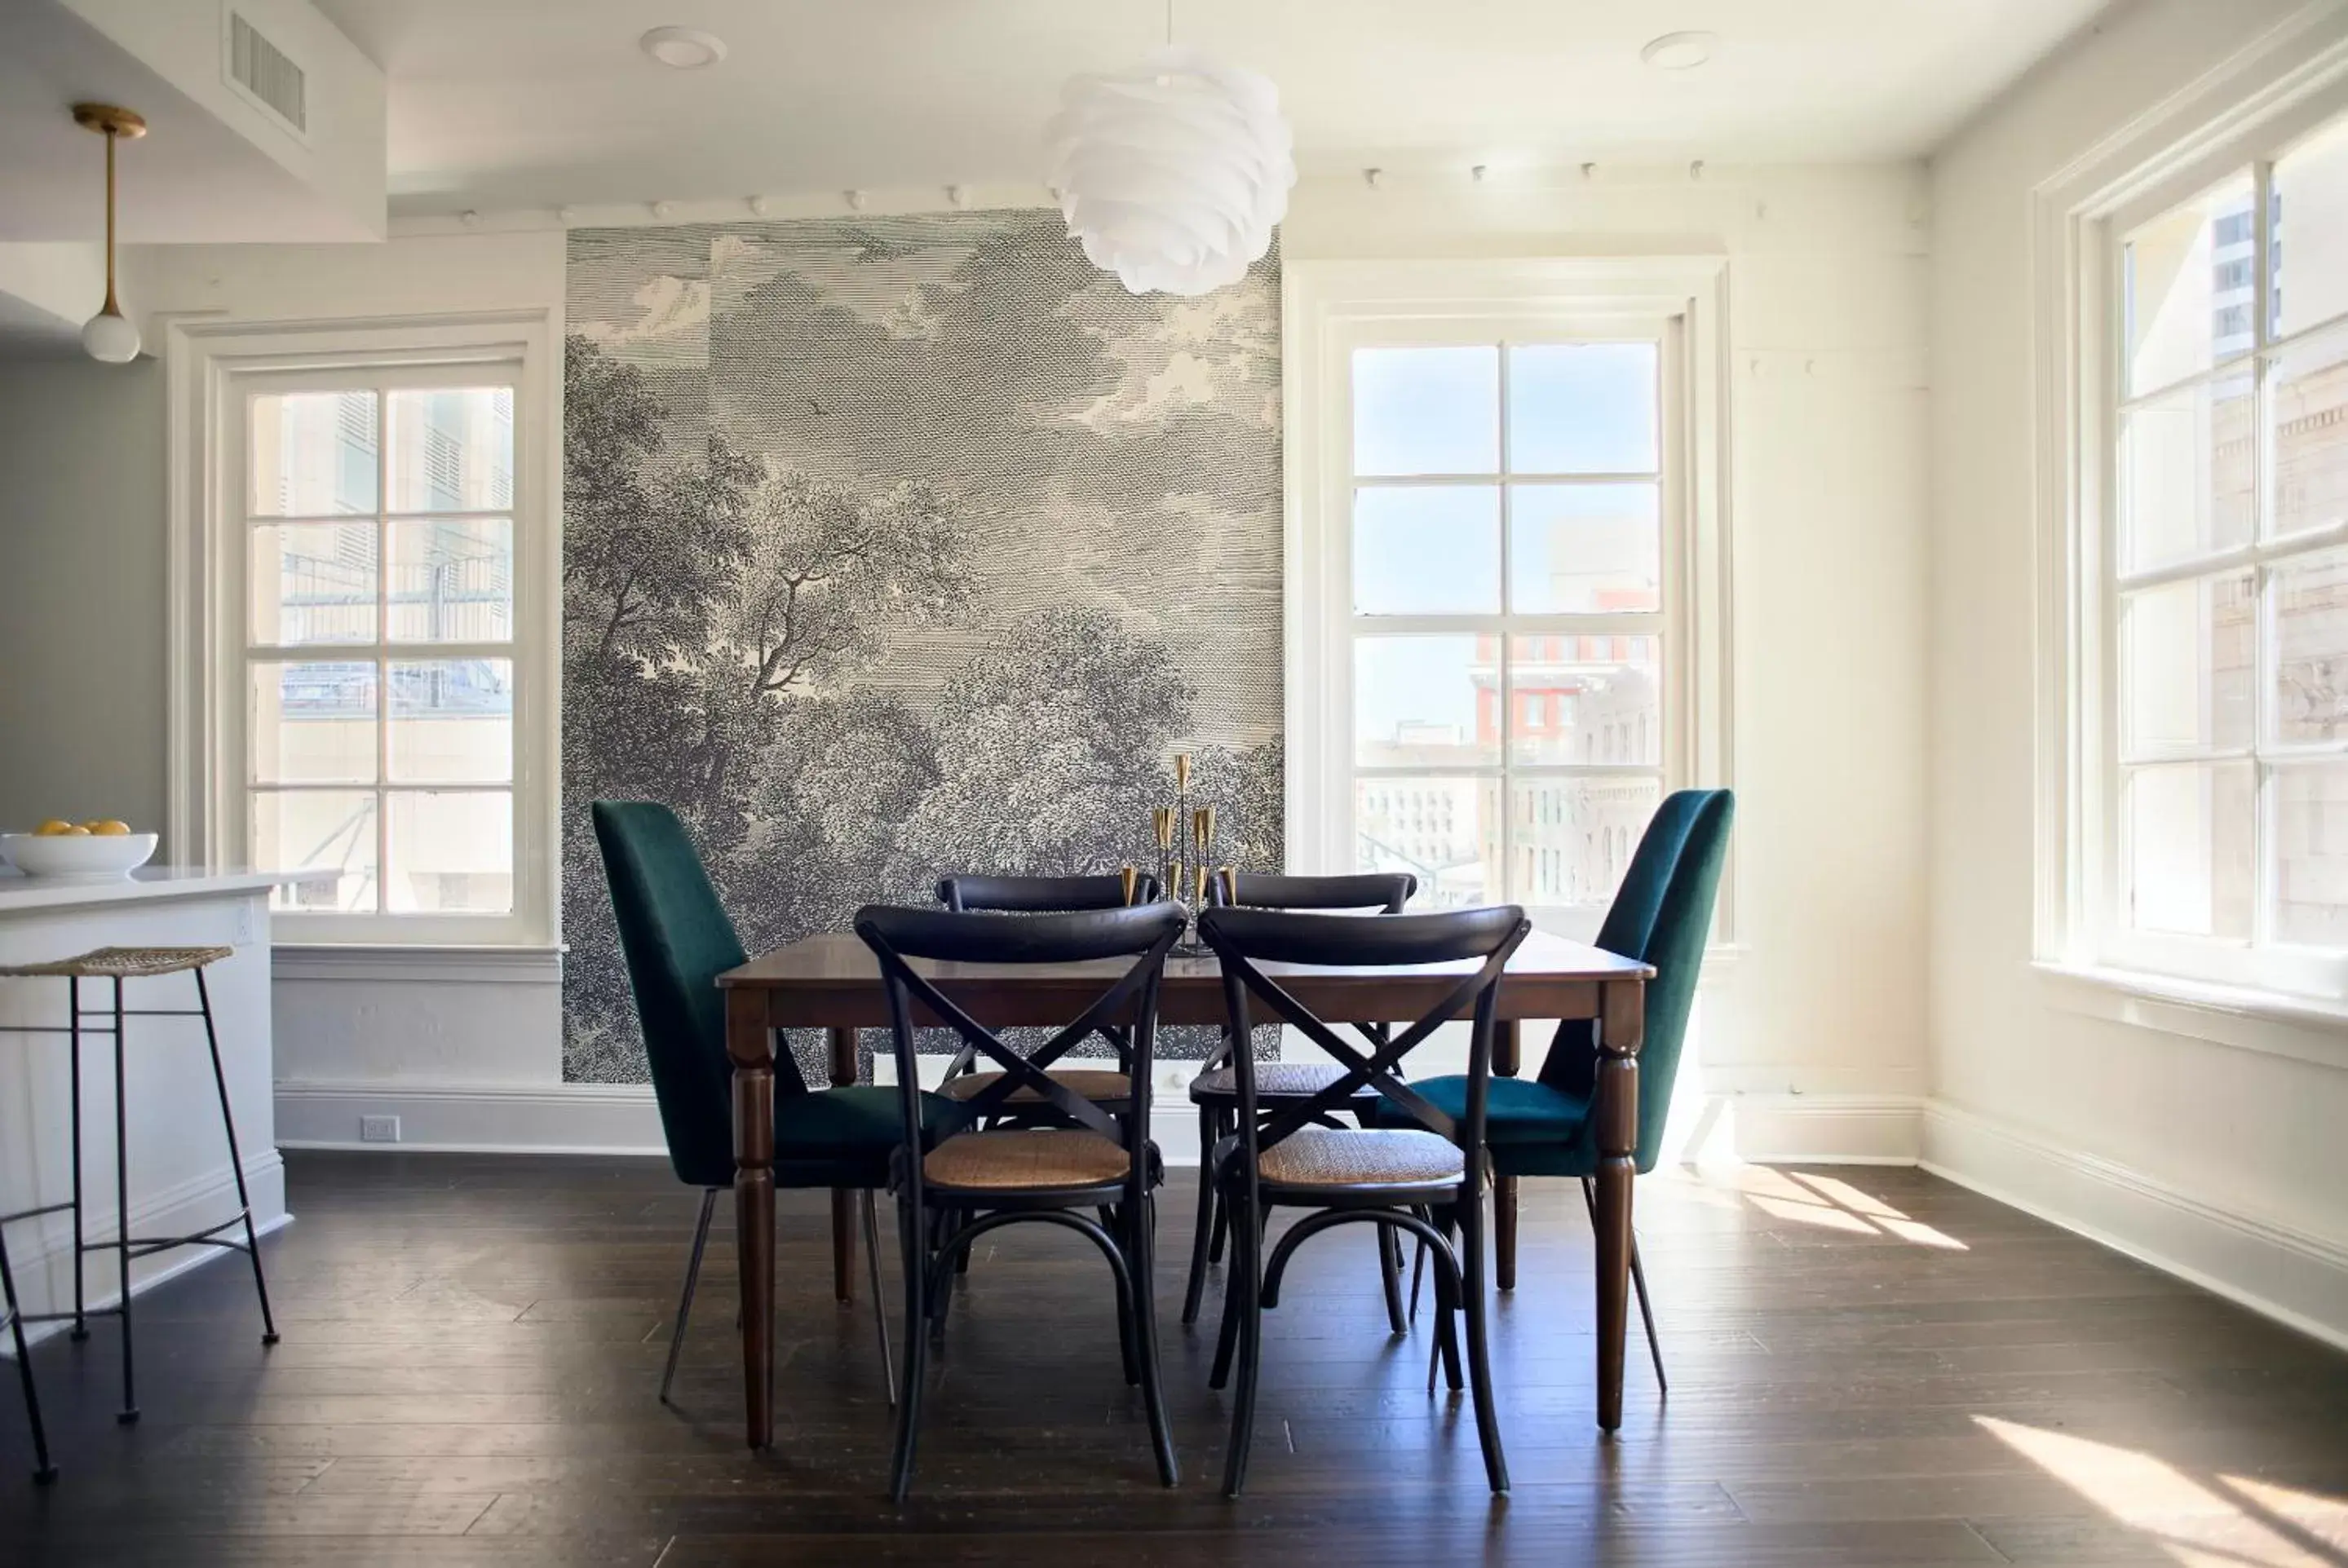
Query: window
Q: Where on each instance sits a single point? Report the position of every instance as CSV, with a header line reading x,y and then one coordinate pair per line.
x,y
2221,596
368,598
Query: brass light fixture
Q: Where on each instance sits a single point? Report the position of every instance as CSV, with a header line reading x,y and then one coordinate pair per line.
x,y
108,336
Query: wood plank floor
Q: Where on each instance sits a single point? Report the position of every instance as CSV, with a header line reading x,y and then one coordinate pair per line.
x,y
1869,1368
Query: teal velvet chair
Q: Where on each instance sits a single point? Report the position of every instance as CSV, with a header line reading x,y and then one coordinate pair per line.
x,y
1662,916
677,940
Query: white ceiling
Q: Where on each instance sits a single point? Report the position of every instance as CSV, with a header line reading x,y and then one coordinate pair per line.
x,y
504,104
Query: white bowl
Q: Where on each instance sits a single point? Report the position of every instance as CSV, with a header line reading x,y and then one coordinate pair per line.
x,y
92,858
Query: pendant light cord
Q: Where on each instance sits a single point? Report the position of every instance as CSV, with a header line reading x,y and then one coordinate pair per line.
x,y
111,308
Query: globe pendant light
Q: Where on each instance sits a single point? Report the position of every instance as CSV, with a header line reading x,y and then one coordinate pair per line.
x,y
1172,175
108,336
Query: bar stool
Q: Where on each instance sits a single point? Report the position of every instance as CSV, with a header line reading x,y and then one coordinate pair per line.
x,y
118,965
42,1470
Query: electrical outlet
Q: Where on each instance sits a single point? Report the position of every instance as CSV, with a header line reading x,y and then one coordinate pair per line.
x,y
378,1129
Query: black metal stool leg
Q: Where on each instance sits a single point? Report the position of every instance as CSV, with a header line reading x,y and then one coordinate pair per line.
x,y
73,1004
235,1161
42,1470
129,1411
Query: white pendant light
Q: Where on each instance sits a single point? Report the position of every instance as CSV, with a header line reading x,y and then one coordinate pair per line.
x,y
108,336
1172,175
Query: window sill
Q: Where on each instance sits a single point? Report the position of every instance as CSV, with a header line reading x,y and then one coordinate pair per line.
x,y
482,965
2272,1023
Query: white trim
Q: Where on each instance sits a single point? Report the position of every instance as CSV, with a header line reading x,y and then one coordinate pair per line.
x,y
201,353
445,965
1783,1129
2277,1270
2268,1022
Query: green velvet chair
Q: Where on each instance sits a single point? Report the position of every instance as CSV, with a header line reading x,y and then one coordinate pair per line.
x,y
677,940
1662,916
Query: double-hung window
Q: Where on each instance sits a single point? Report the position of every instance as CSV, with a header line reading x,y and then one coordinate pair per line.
x,y
2220,592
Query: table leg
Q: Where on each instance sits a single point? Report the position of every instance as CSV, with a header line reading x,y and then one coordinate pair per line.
x,y
843,1200
1620,1029
1507,1060
750,1045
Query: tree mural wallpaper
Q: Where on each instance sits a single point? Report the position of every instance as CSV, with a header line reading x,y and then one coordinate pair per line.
x,y
900,546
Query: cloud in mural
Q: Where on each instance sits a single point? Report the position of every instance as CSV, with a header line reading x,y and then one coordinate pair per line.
x,y
674,309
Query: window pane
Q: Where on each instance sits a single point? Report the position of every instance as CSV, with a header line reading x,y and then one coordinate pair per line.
x,y
2186,465
2307,391
1570,839
2311,806
1582,408
314,582
301,830
1444,831
451,852
1585,549
2186,843
1427,549
2310,233
312,724
2311,610
1427,410
1426,702
452,451
314,454
2188,653
1585,699
2186,288
452,720
452,581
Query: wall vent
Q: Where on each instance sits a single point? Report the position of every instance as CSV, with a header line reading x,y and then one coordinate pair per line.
x,y
268,77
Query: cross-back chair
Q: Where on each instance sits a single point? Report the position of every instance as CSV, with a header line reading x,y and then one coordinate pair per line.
x,y
1215,1091
1096,1160
1426,1179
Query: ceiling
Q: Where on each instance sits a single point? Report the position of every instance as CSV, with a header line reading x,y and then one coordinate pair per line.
x,y
506,104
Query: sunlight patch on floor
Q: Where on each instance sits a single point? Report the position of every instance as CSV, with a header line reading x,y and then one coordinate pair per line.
x,y
1828,1202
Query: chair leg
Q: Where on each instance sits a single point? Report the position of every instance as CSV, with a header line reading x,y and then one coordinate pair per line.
x,y
129,1411
1227,1338
880,1305
1390,1277
1195,1287
1244,1285
914,1255
1418,1265
44,1471
1639,1283
236,1161
692,1278
1142,1250
1221,1229
1479,1365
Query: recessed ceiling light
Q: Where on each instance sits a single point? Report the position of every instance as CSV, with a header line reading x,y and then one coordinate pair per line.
x,y
683,48
1678,51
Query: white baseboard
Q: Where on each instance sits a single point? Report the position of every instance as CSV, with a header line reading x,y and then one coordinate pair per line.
x,y
2273,1269
44,1268
1811,1129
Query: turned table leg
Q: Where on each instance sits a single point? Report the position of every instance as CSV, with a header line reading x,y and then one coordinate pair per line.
x,y
750,1045
843,1200
1616,1112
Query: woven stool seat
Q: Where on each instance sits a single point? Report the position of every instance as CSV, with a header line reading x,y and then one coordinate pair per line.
x,y
1275,1078
1085,1083
1028,1158
124,963
1350,1157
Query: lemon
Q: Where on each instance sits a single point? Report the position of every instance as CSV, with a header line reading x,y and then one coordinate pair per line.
x,y
75,833
53,828
108,827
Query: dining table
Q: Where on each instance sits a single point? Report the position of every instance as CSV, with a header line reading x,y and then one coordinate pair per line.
x,y
832,982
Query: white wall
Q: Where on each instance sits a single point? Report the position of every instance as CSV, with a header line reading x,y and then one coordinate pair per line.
x,y
2224,1160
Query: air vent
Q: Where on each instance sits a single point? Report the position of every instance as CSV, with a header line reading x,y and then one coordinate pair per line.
x,y
267,76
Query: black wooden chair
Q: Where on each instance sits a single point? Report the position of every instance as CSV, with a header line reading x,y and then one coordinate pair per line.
x,y
1426,1179
1280,1084
1099,1160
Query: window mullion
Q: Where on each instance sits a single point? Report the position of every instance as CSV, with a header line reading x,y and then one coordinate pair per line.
x,y
1500,647
382,646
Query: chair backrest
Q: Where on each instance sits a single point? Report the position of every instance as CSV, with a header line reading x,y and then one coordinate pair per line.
x,y
677,940
1145,933
1387,891
1044,895
1245,940
1661,916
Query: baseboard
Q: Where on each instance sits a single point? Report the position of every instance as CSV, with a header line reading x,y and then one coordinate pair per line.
x,y
1810,1129
2273,1269
44,1268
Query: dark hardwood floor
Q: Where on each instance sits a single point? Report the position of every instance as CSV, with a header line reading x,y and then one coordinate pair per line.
x,y
1870,1366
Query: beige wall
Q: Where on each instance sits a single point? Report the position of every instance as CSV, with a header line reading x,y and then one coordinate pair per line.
x,y
81,591
2224,1160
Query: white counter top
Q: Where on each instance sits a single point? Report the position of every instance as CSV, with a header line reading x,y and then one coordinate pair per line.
x,y
20,893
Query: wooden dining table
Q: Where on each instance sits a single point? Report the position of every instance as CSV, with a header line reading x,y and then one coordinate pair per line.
x,y
832,982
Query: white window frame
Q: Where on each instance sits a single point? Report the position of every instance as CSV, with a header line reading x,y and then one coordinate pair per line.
x,y
1330,308
2238,117
210,365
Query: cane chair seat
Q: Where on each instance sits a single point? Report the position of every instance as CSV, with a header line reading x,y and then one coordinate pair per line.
x,y
1085,1084
1027,1159
1274,1080
1353,1157
124,963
